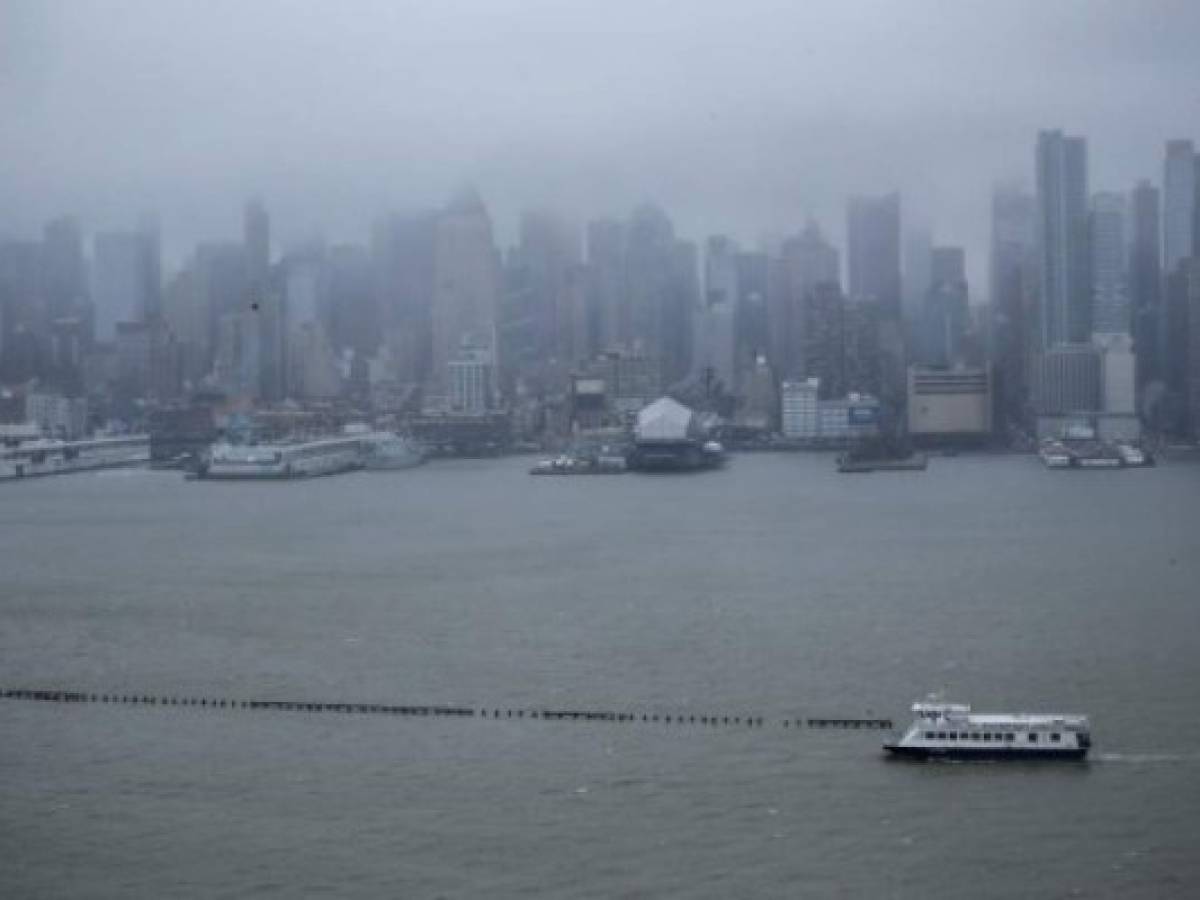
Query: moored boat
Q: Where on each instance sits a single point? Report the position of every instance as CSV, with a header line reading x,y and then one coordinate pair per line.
x,y
301,459
387,450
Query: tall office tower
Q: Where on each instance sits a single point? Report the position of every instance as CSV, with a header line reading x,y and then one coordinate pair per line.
x,y
308,284
944,316
466,285
256,238
918,250
947,265
221,288
650,268
716,339
1177,311
1145,283
186,317
264,300
22,310
807,261
873,252
608,310
1062,185
823,339
873,275
402,257
752,339
1179,203
64,270
549,249
813,259
720,270
124,268
1013,288
1191,276
573,334
679,316
353,317
151,233
1110,289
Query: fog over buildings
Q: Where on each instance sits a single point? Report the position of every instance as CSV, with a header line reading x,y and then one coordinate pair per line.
x,y
740,119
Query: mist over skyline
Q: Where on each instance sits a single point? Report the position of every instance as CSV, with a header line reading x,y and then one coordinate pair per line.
x,y
742,119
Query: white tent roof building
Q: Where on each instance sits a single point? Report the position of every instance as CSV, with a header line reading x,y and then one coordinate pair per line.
x,y
665,420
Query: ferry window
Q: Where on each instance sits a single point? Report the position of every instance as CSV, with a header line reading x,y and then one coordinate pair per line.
x,y
987,735
1055,737
1033,738
929,735
941,735
953,735
1010,736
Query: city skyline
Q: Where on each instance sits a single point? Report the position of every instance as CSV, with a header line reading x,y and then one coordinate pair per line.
x,y
741,138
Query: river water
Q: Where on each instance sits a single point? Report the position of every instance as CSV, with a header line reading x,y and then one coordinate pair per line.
x,y
774,587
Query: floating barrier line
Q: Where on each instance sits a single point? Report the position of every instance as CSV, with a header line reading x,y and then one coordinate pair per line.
x,y
382,709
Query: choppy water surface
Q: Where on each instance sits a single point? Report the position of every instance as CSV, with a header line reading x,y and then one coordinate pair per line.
x,y
774,588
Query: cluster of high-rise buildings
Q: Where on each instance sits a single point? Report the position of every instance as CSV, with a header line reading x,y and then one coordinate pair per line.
x,y
1094,294
1092,310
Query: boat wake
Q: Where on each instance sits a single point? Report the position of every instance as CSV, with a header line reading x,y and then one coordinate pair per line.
x,y
1146,758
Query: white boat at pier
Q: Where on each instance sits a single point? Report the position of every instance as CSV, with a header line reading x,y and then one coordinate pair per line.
x,y
300,459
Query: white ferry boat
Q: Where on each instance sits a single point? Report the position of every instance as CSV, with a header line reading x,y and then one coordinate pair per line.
x,y
54,457
952,731
298,460
387,450
1055,455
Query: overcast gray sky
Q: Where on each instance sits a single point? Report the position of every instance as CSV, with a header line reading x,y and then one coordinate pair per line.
x,y
741,117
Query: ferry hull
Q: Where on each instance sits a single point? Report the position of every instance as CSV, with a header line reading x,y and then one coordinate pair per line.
x,y
898,751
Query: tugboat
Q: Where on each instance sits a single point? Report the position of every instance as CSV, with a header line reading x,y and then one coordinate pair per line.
x,y
951,731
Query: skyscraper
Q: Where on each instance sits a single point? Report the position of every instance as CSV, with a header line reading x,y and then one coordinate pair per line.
x,y
944,315
1145,283
1179,246
550,252
22,310
1013,290
716,340
220,288
873,274
1062,187
918,248
679,315
264,301
1179,203
402,258
873,252
123,288
256,238
608,308
752,328
808,262
650,282
64,278
466,284
1110,294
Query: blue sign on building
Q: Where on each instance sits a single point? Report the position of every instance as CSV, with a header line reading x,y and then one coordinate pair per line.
x,y
862,415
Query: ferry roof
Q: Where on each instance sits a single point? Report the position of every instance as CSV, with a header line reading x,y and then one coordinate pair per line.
x,y
962,711
1027,719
